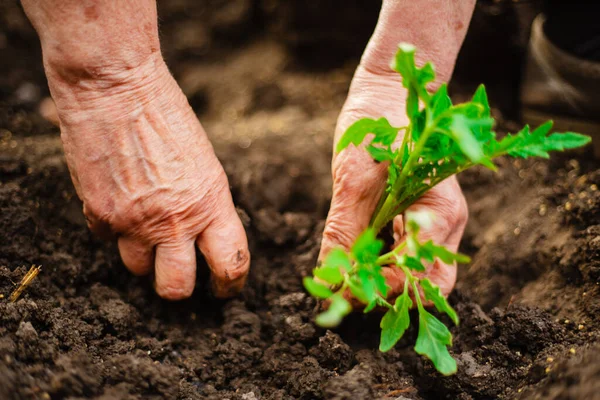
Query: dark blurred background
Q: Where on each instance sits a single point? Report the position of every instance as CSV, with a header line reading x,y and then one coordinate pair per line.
x,y
318,36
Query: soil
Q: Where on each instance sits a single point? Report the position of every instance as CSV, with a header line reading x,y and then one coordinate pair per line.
x,y
86,328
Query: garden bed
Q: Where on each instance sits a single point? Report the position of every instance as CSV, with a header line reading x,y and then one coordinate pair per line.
x,y
528,302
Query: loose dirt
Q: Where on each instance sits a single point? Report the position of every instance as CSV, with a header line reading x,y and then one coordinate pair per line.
x,y
86,328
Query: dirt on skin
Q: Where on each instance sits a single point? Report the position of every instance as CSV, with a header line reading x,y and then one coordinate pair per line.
x,y
86,328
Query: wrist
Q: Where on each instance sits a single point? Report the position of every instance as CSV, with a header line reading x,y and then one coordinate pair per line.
x,y
80,89
92,72
436,29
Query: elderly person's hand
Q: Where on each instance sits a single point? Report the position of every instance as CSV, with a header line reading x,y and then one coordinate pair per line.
x,y
140,160
376,91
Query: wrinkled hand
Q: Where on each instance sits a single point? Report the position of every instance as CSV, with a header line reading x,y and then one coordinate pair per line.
x,y
358,182
146,172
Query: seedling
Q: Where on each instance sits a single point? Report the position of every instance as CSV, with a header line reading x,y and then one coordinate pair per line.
x,y
440,140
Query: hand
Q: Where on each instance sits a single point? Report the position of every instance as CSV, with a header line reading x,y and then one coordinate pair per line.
x,y
146,172
358,183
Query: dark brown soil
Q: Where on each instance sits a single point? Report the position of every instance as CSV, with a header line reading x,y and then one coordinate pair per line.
x,y
86,328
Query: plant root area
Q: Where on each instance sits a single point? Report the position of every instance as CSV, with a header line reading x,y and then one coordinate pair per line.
x,y
268,94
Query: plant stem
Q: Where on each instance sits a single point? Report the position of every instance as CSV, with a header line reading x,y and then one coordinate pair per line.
x,y
397,161
388,210
413,282
389,256
417,296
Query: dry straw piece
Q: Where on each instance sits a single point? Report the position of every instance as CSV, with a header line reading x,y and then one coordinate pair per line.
x,y
26,281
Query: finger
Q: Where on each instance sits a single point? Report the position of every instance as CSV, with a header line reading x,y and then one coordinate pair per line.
x,y
175,268
225,248
99,228
448,207
137,256
357,186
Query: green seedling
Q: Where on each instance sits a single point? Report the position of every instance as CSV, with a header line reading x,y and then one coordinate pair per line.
x,y
440,140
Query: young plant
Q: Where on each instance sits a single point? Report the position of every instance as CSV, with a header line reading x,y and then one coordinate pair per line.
x,y
440,140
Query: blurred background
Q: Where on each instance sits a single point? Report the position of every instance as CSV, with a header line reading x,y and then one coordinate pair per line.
x,y
314,37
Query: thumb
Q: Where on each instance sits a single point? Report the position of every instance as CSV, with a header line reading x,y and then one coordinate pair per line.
x,y
358,182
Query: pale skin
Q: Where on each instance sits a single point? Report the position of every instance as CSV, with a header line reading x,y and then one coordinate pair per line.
x,y
147,173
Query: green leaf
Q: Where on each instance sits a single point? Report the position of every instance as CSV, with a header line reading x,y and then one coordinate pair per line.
x,y
316,289
434,294
357,290
413,78
412,263
337,310
356,133
432,341
331,275
538,143
393,172
483,132
366,248
480,97
372,304
395,322
404,62
440,102
380,283
367,284
426,74
460,131
448,257
338,258
381,154
566,140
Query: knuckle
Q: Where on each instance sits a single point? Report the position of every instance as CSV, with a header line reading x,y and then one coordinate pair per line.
x,y
95,210
352,178
373,69
338,231
449,205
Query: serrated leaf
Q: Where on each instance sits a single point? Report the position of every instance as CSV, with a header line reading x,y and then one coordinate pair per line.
x,y
434,294
426,74
444,254
566,140
395,322
432,343
366,248
440,101
331,275
413,78
380,154
538,143
480,97
316,289
357,291
380,283
483,133
393,172
412,263
372,304
404,62
337,310
356,133
460,131
367,283
338,258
